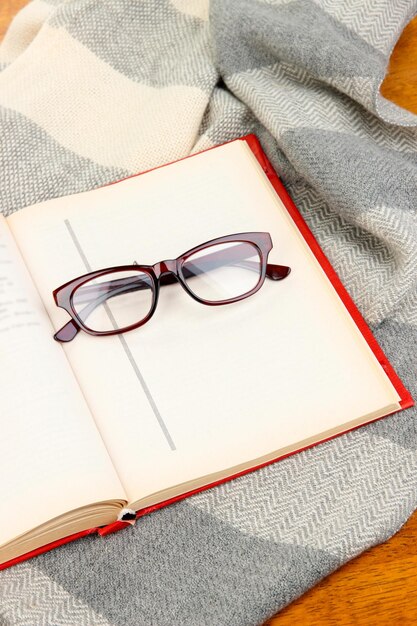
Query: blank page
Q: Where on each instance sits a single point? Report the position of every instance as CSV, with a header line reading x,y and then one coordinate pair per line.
x,y
52,457
201,389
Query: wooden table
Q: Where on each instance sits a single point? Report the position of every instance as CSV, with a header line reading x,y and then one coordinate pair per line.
x,y
379,587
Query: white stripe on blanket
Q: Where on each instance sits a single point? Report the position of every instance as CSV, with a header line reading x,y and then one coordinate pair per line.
x,y
89,104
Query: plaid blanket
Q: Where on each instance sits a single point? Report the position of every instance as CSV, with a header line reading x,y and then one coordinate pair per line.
x,y
94,90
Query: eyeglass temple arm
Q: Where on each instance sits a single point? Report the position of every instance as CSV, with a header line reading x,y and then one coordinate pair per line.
x,y
277,272
67,332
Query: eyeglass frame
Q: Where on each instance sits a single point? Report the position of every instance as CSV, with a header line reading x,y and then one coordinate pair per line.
x,y
170,271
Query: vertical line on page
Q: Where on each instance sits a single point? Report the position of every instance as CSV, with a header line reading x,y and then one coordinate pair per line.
x,y
126,348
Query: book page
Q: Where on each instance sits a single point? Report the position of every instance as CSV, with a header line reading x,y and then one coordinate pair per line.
x,y
199,389
52,458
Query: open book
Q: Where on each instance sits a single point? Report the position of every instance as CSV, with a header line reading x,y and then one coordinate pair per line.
x,y
197,395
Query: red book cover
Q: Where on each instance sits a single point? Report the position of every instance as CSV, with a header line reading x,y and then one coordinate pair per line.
x,y
406,400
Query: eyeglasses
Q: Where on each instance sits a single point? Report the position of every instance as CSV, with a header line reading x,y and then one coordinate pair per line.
x,y
118,299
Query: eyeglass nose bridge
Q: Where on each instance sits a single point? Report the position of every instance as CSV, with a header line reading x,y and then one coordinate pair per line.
x,y
165,267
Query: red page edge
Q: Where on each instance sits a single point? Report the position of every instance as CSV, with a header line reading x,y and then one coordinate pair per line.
x,y
406,400
254,144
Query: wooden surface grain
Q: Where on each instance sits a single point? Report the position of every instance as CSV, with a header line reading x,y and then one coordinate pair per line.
x,y
400,84
8,8
378,587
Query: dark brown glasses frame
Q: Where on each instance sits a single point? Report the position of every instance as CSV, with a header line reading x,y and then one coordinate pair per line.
x,y
165,273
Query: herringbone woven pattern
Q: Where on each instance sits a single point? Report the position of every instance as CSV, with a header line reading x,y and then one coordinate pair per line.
x,y
91,91
29,597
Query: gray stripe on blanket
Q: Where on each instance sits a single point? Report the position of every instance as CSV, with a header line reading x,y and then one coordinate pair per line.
x,y
360,181
151,43
181,556
34,167
279,37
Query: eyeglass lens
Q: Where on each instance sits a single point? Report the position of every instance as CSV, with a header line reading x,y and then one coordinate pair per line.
x,y
114,301
223,271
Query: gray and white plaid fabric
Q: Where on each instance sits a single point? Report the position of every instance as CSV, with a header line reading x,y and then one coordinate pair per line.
x,y
95,90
